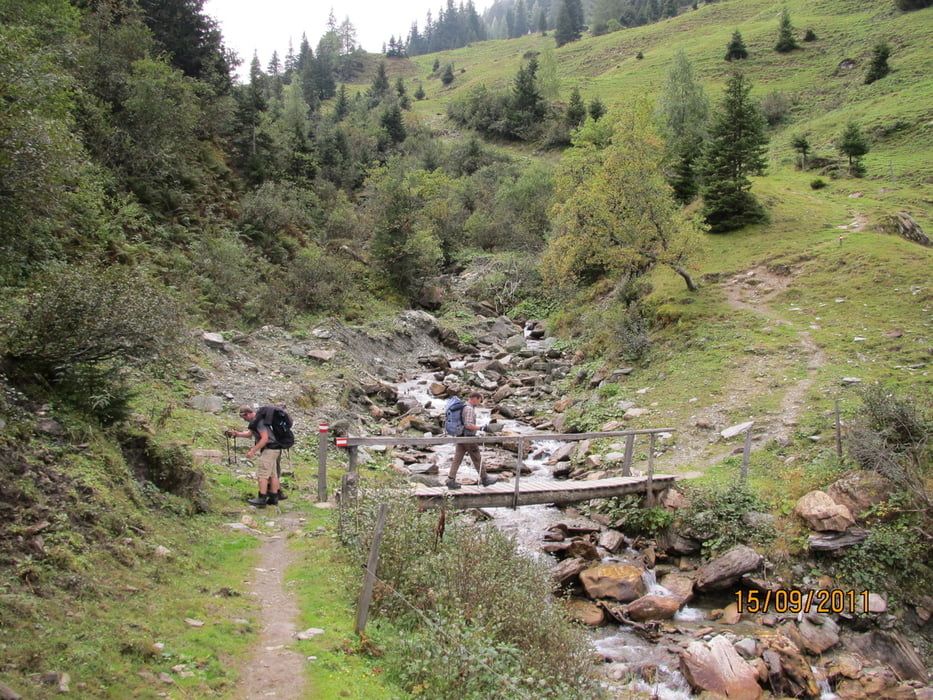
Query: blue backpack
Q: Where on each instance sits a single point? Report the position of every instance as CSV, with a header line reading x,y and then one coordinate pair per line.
x,y
453,417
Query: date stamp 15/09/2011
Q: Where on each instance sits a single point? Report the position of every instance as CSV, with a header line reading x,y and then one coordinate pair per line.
x,y
783,601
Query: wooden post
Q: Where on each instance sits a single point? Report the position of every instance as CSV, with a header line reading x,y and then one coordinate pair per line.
x,y
322,462
651,472
746,453
366,594
838,432
518,471
627,461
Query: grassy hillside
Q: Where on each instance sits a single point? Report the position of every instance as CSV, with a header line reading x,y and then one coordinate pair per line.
x,y
895,112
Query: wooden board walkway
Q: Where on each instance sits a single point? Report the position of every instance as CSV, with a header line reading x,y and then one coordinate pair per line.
x,y
535,491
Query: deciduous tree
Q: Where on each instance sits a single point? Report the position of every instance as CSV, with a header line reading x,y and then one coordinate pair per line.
x,y
615,215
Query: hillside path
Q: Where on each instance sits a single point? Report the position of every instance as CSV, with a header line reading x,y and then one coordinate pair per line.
x,y
275,669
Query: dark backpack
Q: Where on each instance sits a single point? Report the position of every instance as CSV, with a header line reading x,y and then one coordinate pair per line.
x,y
280,423
453,417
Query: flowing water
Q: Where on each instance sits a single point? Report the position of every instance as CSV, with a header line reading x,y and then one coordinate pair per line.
x,y
632,663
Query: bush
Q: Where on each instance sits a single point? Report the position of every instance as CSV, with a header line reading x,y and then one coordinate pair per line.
x,y
717,517
818,184
775,107
890,435
74,318
630,515
473,646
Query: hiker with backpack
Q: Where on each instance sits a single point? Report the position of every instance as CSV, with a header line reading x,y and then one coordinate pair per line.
x,y
270,428
460,421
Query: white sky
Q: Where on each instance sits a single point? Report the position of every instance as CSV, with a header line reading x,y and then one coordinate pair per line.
x,y
265,26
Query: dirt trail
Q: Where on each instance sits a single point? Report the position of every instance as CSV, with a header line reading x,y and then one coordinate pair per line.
x,y
751,291
275,670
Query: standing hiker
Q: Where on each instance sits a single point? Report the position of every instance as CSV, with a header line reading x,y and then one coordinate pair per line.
x,y
469,428
269,451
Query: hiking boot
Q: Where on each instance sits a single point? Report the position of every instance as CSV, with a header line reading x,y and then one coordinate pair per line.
x,y
272,499
489,480
452,484
260,501
281,495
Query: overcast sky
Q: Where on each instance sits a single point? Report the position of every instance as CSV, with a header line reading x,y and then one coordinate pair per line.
x,y
265,26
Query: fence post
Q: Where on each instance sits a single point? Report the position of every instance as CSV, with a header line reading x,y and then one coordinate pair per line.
x,y
838,432
518,471
366,594
651,471
322,461
746,453
627,461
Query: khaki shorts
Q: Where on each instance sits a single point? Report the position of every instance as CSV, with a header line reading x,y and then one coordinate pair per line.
x,y
267,461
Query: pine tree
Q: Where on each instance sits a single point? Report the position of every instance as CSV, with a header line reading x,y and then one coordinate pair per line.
x,y
597,109
801,144
736,49
564,29
736,149
786,41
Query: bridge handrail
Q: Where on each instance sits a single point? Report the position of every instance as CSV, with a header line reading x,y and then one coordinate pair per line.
x,y
496,437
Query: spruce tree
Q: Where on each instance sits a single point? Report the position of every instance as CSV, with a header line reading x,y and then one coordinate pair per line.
x,y
736,49
786,41
684,111
736,149
597,109
576,109
853,145
879,63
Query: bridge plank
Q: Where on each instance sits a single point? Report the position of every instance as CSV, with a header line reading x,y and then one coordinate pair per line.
x,y
537,491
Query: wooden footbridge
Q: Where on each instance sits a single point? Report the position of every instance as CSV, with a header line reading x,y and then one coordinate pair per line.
x,y
520,490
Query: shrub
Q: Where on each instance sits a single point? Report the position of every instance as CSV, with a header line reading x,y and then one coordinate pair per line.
x,y
890,435
74,318
630,515
461,642
717,517
775,108
818,184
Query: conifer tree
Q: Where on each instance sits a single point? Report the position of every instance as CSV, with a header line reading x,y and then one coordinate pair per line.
x,y
853,145
597,109
879,63
786,41
736,49
684,111
736,149
576,109
801,144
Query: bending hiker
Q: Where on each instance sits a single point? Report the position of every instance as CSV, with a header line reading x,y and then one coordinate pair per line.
x,y
269,451
467,427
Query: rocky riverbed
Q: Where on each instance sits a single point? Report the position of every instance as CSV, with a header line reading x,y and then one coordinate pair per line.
x,y
721,625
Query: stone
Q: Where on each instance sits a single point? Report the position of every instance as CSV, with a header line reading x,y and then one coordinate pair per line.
x,y
734,430
723,571
568,570
679,586
586,612
214,340
789,672
50,426
636,413
208,404
611,540
831,541
7,693
818,632
892,650
652,607
716,667
619,581
203,456
822,513
859,491
321,356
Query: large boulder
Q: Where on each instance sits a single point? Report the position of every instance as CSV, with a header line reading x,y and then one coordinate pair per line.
x,y
653,607
724,571
679,585
818,632
822,513
621,581
860,491
717,668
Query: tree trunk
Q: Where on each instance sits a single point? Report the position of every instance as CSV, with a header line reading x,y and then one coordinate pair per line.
x,y
691,285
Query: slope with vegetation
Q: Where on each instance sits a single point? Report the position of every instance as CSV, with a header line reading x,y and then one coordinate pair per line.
x,y
145,193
